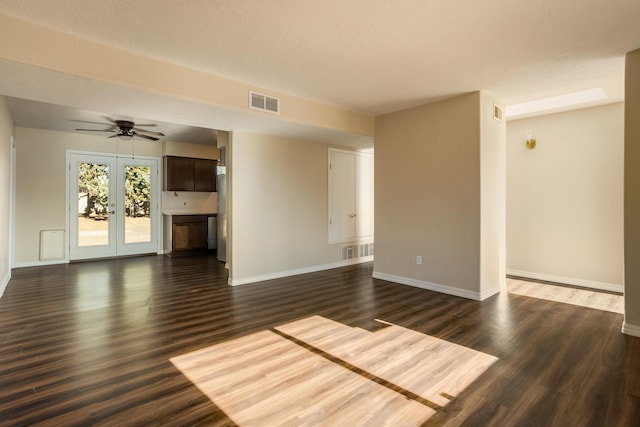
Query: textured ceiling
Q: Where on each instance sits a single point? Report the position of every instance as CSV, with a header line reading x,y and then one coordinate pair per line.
x,y
371,56
42,115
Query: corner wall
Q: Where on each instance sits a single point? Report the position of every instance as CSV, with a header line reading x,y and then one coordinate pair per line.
x,y
631,324
430,168
278,208
565,197
6,132
493,189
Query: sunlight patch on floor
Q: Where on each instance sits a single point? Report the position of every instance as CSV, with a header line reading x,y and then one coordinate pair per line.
x,y
316,371
581,297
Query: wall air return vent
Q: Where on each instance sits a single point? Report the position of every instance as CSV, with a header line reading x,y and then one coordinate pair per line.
x,y
51,245
498,112
259,101
356,251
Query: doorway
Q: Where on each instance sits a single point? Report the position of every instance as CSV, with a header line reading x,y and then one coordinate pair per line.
x,y
113,205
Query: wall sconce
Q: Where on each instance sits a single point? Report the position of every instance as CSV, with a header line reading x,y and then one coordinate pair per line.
x,y
531,141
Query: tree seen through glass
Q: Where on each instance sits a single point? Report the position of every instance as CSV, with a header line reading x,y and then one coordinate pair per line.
x,y
93,204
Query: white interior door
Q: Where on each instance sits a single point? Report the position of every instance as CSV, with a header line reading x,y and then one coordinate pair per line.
x,y
364,195
342,203
113,206
350,196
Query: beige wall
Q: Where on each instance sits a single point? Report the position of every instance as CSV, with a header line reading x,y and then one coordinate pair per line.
x,y
632,195
199,151
41,180
279,208
188,202
565,197
6,132
428,197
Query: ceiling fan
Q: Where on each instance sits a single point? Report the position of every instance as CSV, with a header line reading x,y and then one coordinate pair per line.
x,y
125,130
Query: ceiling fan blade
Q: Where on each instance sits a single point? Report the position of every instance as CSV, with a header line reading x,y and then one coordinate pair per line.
x,y
98,130
146,124
151,138
114,135
148,131
90,122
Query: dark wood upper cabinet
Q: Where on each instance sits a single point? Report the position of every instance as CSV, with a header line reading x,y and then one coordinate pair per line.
x,y
204,173
178,173
189,174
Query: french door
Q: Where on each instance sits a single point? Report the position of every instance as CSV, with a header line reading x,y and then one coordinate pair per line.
x,y
113,206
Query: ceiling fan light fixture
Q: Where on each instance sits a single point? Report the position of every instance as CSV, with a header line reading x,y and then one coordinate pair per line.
x,y
125,130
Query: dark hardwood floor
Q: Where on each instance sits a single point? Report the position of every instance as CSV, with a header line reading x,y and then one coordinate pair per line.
x,y
101,343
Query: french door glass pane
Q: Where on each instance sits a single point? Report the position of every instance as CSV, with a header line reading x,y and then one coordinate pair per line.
x,y
93,204
137,197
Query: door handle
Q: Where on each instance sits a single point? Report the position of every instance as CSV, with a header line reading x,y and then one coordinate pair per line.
x,y
352,215
112,212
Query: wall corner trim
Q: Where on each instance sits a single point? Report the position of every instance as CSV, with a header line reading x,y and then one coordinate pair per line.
x,y
628,329
40,263
4,281
488,293
477,296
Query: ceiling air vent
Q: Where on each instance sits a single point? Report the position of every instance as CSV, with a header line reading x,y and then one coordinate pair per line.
x,y
258,101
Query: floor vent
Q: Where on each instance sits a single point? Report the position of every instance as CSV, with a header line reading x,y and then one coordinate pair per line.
x,y
357,251
258,101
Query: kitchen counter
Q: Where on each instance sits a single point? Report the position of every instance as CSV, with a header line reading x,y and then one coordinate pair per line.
x,y
187,212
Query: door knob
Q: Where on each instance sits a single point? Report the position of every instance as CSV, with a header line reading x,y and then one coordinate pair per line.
x,y
112,212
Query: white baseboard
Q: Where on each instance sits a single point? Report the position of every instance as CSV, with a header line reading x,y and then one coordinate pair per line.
x,y
489,293
295,272
40,263
4,281
436,287
632,330
612,287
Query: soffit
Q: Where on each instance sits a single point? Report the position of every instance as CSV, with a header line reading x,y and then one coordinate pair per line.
x,y
371,56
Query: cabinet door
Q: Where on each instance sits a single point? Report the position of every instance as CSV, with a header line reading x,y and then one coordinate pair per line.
x,y
198,235
204,172
178,173
181,236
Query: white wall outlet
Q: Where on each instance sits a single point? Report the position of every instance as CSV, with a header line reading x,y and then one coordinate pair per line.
x,y
418,260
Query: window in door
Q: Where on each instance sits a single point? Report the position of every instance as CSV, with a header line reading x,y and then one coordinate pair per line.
x,y
93,203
